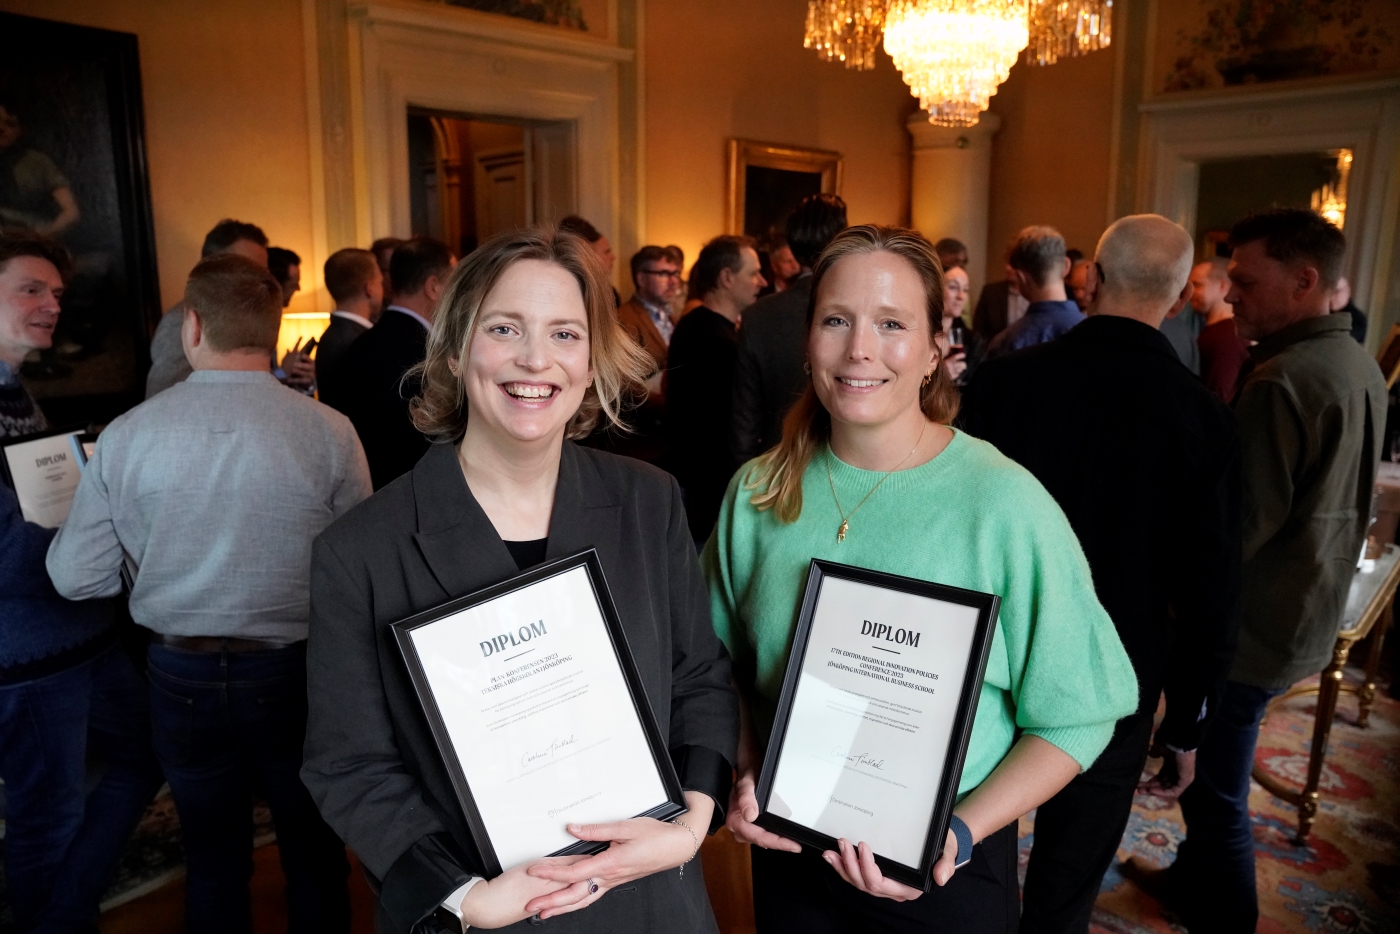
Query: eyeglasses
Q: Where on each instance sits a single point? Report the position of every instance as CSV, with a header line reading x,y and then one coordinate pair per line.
x,y
663,273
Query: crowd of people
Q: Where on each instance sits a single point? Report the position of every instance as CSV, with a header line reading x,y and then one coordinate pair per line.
x,y
1162,467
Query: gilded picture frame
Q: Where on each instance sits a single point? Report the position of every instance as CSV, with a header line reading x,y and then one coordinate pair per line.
x,y
796,168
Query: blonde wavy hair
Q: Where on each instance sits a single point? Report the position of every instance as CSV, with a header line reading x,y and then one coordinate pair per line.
x,y
619,365
776,477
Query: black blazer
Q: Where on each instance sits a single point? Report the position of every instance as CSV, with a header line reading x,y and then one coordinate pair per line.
x,y
768,376
371,763
333,379
699,403
1144,460
375,400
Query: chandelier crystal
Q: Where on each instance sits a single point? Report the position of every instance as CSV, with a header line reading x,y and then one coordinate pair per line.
x,y
954,53
1062,29
845,31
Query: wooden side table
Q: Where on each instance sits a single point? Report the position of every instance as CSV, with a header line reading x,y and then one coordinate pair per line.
x,y
1370,606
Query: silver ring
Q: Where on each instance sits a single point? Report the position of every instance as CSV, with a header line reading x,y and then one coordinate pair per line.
x,y
592,887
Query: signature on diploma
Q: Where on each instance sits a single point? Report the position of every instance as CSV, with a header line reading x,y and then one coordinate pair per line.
x,y
858,758
548,752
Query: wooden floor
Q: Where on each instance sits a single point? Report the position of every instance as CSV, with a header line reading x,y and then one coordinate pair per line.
x,y
163,911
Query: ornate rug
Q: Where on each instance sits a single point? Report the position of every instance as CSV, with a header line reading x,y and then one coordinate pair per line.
x,y
1346,881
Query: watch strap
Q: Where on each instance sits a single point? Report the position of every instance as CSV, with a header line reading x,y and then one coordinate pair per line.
x,y
963,835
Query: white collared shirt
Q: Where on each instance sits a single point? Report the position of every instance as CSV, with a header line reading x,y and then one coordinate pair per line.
x,y
427,325
362,322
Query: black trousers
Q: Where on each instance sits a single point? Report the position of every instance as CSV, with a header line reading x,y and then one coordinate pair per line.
x,y
799,893
1077,833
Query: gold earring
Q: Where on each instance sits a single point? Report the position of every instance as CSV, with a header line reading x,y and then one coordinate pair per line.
x,y
928,378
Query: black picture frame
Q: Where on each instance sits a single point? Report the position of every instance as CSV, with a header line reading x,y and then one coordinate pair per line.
x,y
588,560
987,605
6,477
78,93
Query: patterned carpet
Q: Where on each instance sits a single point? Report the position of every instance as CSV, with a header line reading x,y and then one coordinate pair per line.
x,y
1347,881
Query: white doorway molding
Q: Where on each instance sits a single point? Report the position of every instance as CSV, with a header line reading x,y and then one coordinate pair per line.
x,y
409,53
1179,132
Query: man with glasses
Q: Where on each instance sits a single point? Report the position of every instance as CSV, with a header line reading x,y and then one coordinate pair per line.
x,y
646,316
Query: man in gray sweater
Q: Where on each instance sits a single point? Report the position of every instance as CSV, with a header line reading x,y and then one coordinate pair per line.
x,y
214,489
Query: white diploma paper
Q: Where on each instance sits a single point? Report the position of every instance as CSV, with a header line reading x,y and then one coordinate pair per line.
x,y
539,715
45,472
872,716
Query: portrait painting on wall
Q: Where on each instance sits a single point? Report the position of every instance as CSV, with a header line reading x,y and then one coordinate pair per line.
x,y
553,12
73,167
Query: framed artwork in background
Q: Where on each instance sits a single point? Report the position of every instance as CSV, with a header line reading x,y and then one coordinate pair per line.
x,y
73,167
765,181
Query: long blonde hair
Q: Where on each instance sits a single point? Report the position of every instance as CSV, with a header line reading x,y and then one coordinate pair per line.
x,y
776,478
619,364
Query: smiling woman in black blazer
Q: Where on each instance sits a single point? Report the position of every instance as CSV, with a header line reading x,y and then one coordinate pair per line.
x,y
524,351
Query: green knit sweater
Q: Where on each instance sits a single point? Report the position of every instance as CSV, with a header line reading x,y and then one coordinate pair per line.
x,y
968,518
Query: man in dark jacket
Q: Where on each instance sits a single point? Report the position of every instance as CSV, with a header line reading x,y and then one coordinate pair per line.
x,y
1144,461
67,689
768,375
1312,418
700,376
376,400
357,287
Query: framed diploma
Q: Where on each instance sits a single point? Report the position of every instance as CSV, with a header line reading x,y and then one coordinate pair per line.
x,y
44,470
539,714
875,714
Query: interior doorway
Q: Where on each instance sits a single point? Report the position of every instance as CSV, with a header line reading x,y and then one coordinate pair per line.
x,y
472,177
1230,189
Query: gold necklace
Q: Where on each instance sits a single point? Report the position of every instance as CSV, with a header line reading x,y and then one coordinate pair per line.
x,y
847,516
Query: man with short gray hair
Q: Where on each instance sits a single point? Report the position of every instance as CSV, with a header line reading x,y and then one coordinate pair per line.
x,y
1144,461
1038,267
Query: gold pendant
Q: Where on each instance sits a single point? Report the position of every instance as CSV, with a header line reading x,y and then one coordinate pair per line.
x,y
841,532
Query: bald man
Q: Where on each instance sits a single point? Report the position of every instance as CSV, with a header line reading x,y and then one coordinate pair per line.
x,y
1144,461
1223,351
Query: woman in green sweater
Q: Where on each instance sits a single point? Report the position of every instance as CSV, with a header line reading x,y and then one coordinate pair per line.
x,y
869,473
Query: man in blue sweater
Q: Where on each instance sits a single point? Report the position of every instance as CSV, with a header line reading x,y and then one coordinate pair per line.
x,y
66,687
1038,264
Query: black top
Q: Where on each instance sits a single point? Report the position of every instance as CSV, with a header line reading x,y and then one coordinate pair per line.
x,y
371,763
768,374
699,405
333,380
527,554
377,397
1144,460
1358,321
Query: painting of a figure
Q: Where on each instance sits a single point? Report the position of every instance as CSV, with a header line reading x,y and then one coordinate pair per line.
x,y
72,167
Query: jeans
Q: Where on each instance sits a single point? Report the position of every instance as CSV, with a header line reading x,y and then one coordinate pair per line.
x,y
61,840
1077,833
227,725
1212,880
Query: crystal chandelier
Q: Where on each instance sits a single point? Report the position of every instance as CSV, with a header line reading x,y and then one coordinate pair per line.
x,y
845,30
1061,29
954,53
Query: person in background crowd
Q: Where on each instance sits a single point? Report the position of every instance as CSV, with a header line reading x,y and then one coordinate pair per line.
x,y
1183,332
595,239
1222,351
1144,461
168,363
383,250
1311,414
67,690
700,376
285,267
646,317
1000,305
1038,267
869,473
1342,304
677,256
785,265
1076,283
501,490
964,347
184,483
377,396
768,376
357,288
952,254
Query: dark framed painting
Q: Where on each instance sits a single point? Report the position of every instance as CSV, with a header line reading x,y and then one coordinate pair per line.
x,y
766,181
73,167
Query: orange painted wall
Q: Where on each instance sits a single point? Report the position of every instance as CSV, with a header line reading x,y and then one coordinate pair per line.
x,y
226,120
734,68
1050,160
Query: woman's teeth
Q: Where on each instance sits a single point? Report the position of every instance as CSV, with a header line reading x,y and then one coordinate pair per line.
x,y
859,383
519,391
